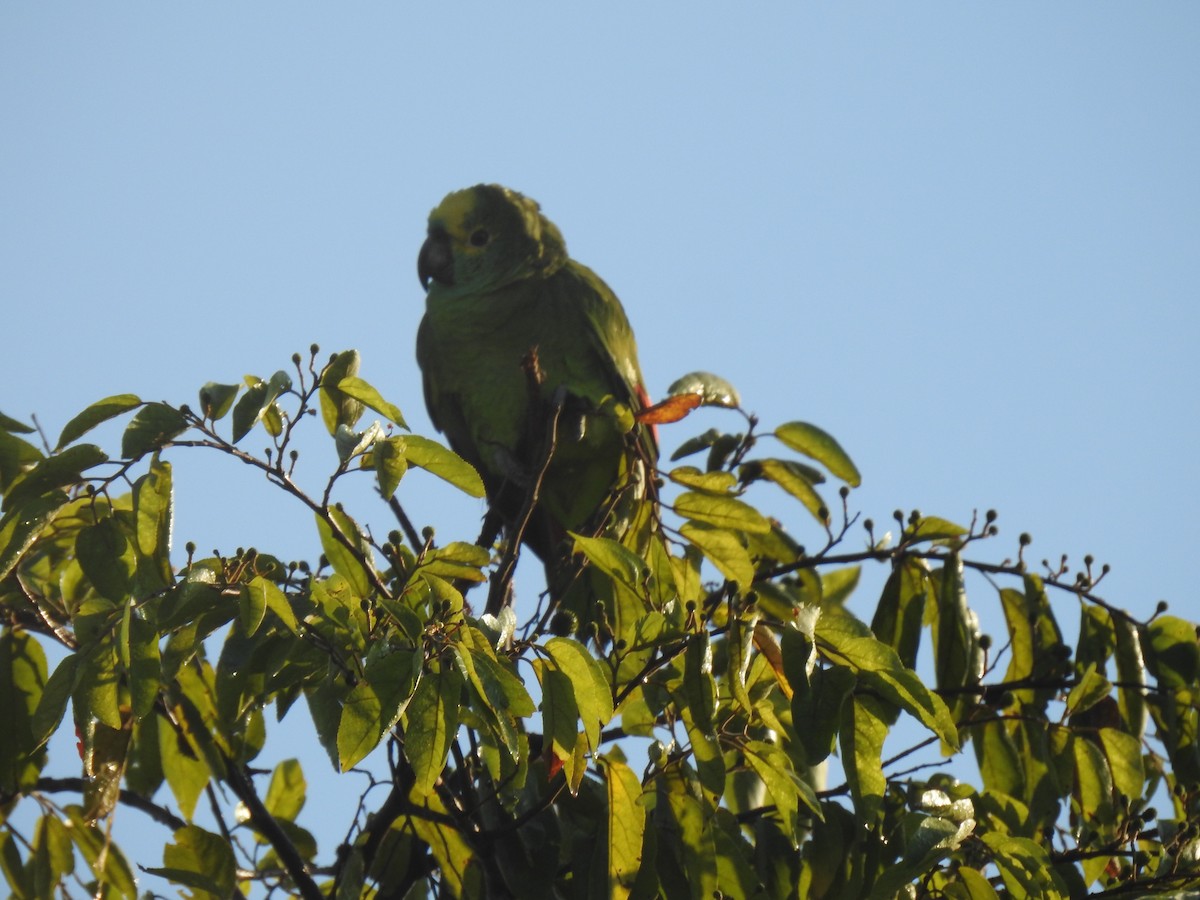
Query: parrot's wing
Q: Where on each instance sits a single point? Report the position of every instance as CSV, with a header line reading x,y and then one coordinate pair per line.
x,y
612,346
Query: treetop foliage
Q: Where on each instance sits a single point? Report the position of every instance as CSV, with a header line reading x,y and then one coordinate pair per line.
x,y
498,750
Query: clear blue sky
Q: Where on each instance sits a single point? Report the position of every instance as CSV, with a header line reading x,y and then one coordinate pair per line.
x,y
964,239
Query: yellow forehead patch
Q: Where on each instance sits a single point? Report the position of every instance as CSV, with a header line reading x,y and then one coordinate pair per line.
x,y
452,212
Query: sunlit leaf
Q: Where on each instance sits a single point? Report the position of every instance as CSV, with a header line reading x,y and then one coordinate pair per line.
x,y
721,512
444,463
337,407
432,722
355,387
626,824
217,399
98,412
154,425
817,444
713,390
58,471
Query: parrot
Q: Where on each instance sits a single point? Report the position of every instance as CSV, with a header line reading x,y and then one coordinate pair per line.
x,y
530,369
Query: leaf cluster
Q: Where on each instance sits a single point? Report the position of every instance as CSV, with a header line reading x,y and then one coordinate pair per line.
x,y
500,754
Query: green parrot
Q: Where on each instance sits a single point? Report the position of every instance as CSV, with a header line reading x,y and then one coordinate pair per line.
x,y
530,369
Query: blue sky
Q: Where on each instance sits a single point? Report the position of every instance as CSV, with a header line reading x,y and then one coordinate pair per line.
x,y
962,238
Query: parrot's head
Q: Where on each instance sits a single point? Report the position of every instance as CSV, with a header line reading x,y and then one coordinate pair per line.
x,y
486,237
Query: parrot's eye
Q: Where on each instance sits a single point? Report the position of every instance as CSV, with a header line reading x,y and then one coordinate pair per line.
x,y
479,237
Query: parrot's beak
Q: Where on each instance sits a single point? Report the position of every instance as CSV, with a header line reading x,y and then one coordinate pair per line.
x,y
436,261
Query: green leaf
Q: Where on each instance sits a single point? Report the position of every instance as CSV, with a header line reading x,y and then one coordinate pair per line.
x,y
360,727
724,549
350,565
52,705
977,885
713,390
201,861
593,696
958,659
355,387
139,656
259,397
786,788
560,714
1131,673
100,411
1172,652
216,400
1025,866
390,464
444,463
878,665
863,730
432,716
817,695
1088,691
152,523
268,595
612,558
721,512
901,609
106,557
935,530
104,858
58,471
155,425
1124,755
337,407
626,825
719,483
16,457
457,560
795,478
699,688
22,526
22,678
252,608
7,423
816,444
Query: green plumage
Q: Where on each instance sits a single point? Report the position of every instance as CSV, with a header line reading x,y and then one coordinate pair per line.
x,y
501,288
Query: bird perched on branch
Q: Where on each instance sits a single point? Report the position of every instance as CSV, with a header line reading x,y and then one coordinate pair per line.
x,y
530,368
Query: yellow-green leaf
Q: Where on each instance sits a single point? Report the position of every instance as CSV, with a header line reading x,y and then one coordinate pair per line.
x,y
100,411
817,444
444,463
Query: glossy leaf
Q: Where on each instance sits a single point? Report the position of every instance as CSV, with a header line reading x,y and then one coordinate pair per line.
x,y
155,425
593,696
795,478
339,408
217,399
201,861
901,610
721,512
351,565
366,394
20,527
61,470
390,464
444,463
626,825
816,444
258,398
713,390
360,726
723,549
22,678
432,718
98,412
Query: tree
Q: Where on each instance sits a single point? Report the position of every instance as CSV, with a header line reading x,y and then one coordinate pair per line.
x,y
510,766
